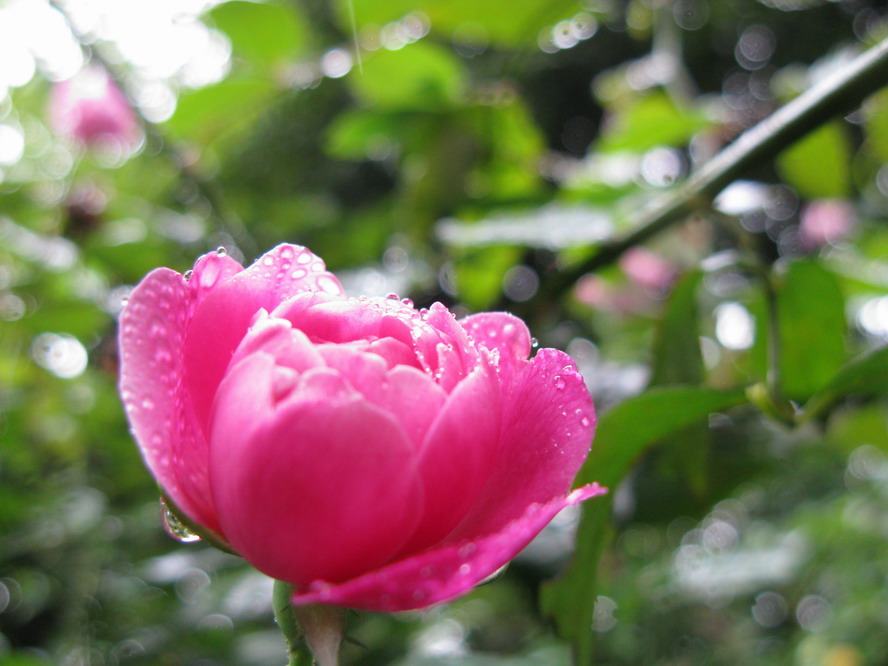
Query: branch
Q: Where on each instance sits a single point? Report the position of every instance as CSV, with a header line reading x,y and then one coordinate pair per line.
x,y
836,95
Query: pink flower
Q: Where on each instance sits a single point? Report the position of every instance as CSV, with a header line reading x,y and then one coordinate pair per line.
x,y
92,110
826,222
373,455
646,269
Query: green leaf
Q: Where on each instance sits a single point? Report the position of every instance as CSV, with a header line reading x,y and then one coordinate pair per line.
x,y
876,123
866,375
263,33
819,165
201,116
677,359
357,134
517,26
479,275
648,122
624,433
676,354
420,77
811,316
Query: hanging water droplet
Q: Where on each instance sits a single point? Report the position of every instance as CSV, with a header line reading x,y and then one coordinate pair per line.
x,y
560,383
534,343
175,527
407,301
496,574
187,275
221,251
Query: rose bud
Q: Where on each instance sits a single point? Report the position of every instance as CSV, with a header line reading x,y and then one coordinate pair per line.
x,y
373,455
91,110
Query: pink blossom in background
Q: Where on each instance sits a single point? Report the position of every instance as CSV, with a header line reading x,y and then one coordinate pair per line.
x,y
826,222
647,269
374,455
90,109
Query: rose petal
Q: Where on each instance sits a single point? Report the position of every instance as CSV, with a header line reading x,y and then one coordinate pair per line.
x,y
441,573
457,455
406,393
222,318
549,423
502,331
153,328
322,486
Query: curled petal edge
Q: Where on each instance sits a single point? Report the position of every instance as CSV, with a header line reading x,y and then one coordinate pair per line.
x,y
445,572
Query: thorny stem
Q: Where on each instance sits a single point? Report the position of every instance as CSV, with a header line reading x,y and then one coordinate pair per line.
x,y
838,94
285,615
226,220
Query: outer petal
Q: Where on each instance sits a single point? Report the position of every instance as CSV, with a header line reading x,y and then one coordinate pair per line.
x,y
442,573
153,328
223,317
320,486
548,423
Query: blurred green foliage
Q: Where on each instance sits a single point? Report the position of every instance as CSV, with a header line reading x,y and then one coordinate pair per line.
x,y
469,152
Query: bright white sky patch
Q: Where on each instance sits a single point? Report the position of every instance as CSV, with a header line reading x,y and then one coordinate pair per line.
x,y
734,326
161,40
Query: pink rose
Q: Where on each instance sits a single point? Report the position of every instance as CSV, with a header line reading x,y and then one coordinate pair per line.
x,y
92,110
373,455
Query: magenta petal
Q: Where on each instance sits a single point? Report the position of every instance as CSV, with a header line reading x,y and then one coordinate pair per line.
x,y
549,423
501,331
457,455
153,328
322,486
442,573
223,317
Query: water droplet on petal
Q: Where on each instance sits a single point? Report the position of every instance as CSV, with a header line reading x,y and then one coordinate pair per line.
x,y
560,383
407,301
392,296
187,275
534,343
221,251
585,422
147,404
174,526
496,574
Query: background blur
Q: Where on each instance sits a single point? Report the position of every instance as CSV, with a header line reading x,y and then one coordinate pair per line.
x,y
468,152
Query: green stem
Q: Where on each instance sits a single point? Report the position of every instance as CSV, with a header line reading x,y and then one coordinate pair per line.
x,y
285,615
838,94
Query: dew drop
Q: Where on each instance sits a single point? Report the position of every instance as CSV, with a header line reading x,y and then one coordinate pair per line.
x,y
268,261
147,404
585,422
560,383
187,275
534,343
407,301
392,296
221,251
298,274
174,526
304,258
496,574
